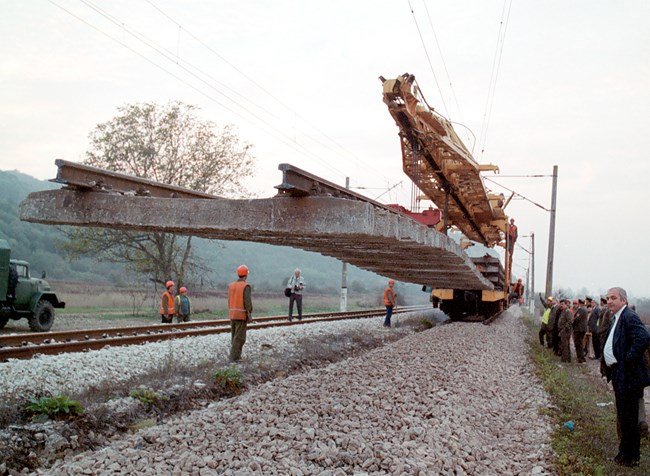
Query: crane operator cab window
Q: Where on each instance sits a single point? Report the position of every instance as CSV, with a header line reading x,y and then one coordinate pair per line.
x,y
21,270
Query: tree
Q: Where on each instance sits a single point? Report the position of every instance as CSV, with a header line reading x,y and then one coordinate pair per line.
x,y
168,144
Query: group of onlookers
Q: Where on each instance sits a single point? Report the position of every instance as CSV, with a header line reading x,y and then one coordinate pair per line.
x,y
585,320
621,342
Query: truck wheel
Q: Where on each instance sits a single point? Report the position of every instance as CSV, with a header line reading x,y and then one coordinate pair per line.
x,y
3,321
43,317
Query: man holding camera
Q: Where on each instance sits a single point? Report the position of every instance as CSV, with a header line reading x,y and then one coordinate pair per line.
x,y
296,285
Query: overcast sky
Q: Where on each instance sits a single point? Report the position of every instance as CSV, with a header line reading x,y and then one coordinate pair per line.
x,y
299,80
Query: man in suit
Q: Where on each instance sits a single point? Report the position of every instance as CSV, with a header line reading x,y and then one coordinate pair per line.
x,y
627,369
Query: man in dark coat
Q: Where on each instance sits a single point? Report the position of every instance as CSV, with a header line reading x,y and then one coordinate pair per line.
x,y
553,319
580,316
603,327
565,326
626,367
592,324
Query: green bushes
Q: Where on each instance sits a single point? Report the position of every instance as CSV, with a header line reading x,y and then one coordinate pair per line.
x,y
149,397
59,406
229,379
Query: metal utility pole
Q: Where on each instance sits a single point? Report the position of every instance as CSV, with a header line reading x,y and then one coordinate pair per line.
x,y
551,236
344,273
532,266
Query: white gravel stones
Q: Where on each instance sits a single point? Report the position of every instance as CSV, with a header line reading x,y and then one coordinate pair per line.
x,y
457,399
78,372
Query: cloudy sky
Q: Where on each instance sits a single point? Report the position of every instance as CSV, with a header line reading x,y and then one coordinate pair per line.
x,y
299,80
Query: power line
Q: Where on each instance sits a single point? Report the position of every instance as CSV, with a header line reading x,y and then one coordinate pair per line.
x,y
444,63
143,39
494,75
370,167
518,194
524,176
426,52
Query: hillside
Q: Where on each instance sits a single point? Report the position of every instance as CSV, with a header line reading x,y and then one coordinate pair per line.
x,y
270,265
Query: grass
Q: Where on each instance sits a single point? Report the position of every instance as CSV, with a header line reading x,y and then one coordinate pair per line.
x,y
575,391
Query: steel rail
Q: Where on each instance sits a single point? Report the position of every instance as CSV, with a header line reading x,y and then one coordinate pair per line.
x,y
86,177
297,182
28,351
81,334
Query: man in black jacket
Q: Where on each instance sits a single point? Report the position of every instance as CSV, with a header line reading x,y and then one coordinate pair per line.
x,y
627,368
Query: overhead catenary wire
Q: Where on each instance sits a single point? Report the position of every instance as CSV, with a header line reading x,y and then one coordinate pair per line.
x,y
494,75
284,138
525,176
517,194
350,154
426,52
444,64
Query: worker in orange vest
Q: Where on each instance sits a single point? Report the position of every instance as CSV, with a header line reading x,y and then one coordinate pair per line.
x,y
167,310
390,297
240,308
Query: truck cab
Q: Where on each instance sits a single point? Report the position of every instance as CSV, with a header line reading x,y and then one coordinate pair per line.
x,y
22,296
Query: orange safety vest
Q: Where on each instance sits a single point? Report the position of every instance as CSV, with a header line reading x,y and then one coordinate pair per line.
x,y
170,304
236,301
389,301
519,288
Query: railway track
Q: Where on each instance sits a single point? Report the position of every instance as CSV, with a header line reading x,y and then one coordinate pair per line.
x,y
25,346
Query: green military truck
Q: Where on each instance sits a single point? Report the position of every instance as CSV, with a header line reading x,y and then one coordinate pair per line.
x,y
22,296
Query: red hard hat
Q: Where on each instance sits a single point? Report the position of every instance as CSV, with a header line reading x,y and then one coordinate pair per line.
x,y
169,283
242,270
183,289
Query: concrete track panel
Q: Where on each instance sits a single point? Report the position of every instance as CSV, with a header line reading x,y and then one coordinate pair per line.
x,y
372,238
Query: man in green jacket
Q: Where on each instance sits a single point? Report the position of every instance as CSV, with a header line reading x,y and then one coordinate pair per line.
x,y
182,306
544,329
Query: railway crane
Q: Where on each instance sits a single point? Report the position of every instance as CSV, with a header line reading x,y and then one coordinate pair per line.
x,y
442,167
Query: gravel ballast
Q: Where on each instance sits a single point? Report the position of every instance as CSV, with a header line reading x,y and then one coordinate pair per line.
x,y
76,373
456,399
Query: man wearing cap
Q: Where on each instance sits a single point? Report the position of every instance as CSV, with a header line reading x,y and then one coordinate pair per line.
x,y
627,368
167,310
183,306
240,309
564,324
580,317
389,301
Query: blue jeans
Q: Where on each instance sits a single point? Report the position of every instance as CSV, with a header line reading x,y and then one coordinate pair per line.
x,y
389,313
